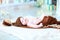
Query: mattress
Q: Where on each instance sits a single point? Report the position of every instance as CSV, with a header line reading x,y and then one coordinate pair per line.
x,y
32,34
6,36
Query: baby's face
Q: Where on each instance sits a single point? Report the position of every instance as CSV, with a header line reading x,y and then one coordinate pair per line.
x,y
23,21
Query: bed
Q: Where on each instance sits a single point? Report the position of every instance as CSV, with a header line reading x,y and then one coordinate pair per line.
x,y
31,34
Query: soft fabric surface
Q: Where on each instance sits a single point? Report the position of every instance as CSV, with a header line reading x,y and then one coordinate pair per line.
x,y
32,34
6,36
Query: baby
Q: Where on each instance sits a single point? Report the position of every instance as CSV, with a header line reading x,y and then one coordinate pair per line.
x,y
31,21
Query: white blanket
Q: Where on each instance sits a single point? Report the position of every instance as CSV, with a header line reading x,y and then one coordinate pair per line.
x,y
32,34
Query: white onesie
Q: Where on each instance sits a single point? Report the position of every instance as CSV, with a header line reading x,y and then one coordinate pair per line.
x,y
31,21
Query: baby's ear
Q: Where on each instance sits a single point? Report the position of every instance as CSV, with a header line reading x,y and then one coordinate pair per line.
x,y
7,22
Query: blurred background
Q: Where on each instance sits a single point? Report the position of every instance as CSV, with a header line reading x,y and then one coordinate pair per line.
x,y
14,8
11,9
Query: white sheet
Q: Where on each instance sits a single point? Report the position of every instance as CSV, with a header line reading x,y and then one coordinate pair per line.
x,y
32,34
6,36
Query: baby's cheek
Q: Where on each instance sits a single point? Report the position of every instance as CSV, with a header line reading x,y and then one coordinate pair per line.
x,y
23,21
